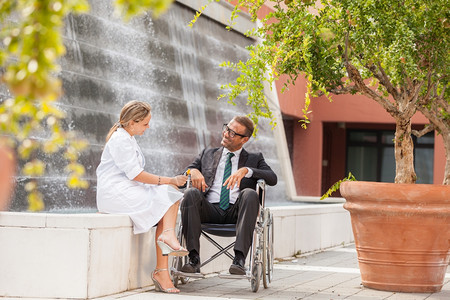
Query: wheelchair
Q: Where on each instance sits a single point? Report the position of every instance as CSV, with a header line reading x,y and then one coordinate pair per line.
x,y
261,252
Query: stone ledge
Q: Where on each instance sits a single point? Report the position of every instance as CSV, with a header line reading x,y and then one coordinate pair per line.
x,y
71,255
84,220
48,255
309,209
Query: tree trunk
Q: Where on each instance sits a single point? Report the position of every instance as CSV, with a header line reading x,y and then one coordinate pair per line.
x,y
404,152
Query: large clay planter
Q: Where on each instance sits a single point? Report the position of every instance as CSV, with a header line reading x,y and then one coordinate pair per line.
x,y
402,234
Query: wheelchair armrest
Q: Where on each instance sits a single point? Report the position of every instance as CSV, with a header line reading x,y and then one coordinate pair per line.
x,y
261,191
261,184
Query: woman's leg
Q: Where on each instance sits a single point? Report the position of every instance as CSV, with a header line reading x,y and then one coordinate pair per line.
x,y
168,221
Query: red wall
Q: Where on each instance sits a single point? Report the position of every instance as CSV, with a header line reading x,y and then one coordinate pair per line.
x,y
308,144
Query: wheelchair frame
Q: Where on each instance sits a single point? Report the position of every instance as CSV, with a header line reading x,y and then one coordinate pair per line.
x,y
261,251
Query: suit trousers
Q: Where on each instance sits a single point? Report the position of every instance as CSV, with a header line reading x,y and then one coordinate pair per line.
x,y
195,209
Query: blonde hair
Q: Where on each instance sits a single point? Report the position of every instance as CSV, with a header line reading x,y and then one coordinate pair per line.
x,y
133,110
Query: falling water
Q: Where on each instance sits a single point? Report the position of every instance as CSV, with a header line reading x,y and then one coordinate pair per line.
x,y
72,39
187,66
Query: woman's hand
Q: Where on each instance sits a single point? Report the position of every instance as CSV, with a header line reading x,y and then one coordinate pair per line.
x,y
179,180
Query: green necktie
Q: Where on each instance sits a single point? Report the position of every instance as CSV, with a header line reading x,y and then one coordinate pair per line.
x,y
225,193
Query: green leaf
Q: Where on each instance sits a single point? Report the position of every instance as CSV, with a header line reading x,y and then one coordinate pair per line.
x,y
336,186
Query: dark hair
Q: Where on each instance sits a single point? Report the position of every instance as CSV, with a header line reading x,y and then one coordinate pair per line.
x,y
133,110
247,123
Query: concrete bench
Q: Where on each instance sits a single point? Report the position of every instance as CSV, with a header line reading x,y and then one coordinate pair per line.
x,y
71,255
47,255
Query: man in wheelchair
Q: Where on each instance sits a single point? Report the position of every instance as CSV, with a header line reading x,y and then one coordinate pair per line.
x,y
223,183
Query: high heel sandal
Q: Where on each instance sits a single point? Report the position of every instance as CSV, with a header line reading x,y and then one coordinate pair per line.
x,y
158,286
167,250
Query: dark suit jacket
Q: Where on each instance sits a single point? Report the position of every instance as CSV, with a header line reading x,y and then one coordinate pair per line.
x,y
209,158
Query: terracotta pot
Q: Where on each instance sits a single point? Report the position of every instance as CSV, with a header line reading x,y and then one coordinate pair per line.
x,y
402,234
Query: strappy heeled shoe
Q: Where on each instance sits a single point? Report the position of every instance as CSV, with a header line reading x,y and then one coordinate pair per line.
x,y
158,287
167,250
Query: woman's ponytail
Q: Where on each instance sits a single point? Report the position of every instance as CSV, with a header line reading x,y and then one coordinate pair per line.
x,y
111,131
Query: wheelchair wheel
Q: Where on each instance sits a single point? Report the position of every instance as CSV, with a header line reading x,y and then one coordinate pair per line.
x,y
267,259
257,249
176,264
256,277
179,261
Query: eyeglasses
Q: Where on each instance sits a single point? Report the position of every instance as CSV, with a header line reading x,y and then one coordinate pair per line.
x,y
231,133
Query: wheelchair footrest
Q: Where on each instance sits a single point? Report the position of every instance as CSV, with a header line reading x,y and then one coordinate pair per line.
x,y
191,275
232,276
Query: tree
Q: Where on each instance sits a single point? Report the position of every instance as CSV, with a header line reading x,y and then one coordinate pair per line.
x,y
31,119
395,53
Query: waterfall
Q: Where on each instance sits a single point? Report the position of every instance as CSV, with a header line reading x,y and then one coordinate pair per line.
x,y
188,68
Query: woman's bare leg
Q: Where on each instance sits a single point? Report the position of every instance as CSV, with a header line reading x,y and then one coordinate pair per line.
x,y
168,221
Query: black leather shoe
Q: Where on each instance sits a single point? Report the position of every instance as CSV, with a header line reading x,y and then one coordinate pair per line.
x,y
193,266
237,267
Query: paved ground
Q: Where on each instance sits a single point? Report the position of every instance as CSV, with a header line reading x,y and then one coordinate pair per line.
x,y
332,274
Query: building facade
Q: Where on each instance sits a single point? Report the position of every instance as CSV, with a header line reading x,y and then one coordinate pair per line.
x,y
352,133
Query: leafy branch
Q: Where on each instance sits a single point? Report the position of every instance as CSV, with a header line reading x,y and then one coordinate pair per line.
x,y
336,186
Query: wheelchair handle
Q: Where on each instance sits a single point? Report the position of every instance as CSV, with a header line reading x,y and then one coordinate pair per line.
x,y
261,189
188,182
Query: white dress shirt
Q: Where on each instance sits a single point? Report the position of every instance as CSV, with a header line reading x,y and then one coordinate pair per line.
x,y
213,195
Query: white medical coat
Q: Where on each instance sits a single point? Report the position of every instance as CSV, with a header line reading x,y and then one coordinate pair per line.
x,y
117,193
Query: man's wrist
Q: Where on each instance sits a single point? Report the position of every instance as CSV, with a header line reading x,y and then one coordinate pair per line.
x,y
249,173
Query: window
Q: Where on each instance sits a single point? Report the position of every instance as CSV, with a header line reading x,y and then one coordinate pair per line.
x,y
370,155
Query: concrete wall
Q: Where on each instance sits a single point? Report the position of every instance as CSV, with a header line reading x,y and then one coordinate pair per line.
x,y
91,255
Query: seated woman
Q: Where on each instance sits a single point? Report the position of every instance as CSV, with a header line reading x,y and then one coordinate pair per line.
x,y
123,187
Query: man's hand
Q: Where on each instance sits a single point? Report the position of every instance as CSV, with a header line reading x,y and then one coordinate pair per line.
x,y
235,178
197,180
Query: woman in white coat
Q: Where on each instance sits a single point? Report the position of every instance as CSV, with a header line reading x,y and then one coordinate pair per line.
x,y
123,187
